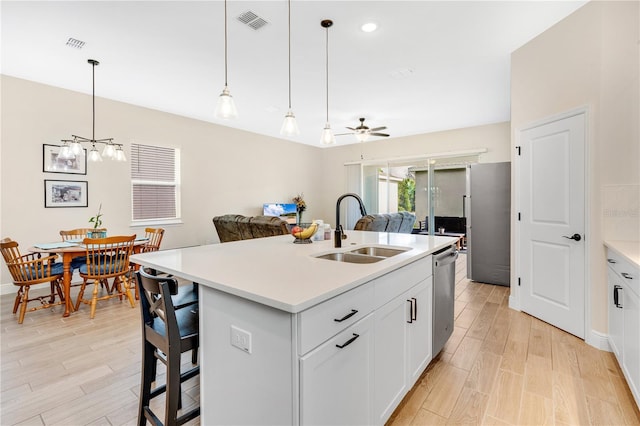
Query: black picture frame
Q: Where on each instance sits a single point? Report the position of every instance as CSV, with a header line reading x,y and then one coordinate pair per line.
x,y
66,193
52,164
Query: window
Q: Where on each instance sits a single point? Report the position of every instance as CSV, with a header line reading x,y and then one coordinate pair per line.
x,y
155,183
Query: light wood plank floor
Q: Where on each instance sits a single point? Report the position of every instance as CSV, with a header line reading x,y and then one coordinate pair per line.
x,y
499,367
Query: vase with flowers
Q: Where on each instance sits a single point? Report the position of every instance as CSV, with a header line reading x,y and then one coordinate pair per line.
x,y
97,223
301,206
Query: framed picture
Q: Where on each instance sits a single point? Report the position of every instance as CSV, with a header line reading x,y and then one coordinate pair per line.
x,y
65,193
52,163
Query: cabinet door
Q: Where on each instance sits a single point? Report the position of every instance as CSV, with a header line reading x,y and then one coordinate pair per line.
x,y
390,360
616,313
336,379
419,337
631,348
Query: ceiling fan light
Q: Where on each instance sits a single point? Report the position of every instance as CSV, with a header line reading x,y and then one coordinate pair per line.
x,y
362,136
226,108
289,125
327,137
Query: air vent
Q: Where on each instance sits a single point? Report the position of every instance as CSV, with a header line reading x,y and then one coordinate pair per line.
x,y
76,44
252,20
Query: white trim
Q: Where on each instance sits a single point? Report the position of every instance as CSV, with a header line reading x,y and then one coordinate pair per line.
x,y
598,340
592,337
463,153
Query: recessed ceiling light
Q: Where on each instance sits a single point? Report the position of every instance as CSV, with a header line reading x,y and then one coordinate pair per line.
x,y
369,27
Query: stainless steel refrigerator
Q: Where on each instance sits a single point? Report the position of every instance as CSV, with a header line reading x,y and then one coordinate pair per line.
x,y
489,222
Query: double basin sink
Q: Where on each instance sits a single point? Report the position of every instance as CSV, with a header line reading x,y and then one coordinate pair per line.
x,y
367,254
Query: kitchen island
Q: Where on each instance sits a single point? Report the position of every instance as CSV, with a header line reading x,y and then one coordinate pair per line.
x,y
289,338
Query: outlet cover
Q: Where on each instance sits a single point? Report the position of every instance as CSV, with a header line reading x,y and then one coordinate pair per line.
x,y
241,339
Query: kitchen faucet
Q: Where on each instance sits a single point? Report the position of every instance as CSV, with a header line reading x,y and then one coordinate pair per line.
x,y
339,232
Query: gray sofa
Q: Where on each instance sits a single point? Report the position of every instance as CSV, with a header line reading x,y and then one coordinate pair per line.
x,y
236,227
389,222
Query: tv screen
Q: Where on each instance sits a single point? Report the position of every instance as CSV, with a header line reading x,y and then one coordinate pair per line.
x,y
286,211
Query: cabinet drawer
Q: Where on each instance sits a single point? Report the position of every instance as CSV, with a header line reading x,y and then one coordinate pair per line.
x,y
394,284
319,323
626,270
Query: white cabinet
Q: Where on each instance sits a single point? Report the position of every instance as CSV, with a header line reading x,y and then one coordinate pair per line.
x,y
403,330
616,313
336,378
624,319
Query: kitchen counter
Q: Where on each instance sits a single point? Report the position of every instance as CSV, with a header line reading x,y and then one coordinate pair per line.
x,y
276,272
630,250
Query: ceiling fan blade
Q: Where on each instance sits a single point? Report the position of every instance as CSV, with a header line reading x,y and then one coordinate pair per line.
x,y
379,134
350,128
376,129
342,134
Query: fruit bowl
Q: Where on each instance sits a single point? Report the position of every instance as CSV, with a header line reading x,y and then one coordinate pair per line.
x,y
302,232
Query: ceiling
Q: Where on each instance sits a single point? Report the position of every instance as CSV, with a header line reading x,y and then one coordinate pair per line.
x,y
430,65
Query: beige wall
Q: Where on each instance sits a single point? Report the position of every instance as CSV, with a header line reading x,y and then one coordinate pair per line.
x,y
223,170
590,59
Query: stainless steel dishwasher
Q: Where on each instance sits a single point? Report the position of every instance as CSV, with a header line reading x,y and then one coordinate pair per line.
x,y
444,277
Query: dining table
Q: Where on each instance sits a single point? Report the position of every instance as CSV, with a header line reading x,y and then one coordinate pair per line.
x,y
68,250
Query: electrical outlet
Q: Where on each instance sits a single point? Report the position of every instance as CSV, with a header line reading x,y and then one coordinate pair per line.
x,y
241,339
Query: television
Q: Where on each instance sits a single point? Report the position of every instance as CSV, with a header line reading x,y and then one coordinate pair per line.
x,y
285,211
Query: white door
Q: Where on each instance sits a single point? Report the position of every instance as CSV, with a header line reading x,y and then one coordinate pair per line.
x,y
551,182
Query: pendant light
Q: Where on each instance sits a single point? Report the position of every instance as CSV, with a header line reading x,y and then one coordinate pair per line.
x,y
72,148
289,125
226,108
327,137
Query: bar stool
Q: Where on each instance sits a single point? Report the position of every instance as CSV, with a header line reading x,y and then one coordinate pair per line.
x,y
167,332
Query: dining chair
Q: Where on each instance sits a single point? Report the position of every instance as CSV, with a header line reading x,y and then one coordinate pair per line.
x,y
167,332
28,270
154,236
78,234
106,258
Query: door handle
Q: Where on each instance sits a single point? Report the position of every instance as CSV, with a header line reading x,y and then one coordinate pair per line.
x,y
575,237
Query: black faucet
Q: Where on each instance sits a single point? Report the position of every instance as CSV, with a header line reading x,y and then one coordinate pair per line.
x,y
339,232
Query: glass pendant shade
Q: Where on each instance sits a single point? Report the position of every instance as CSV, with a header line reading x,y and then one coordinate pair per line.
x,y
289,125
109,151
226,108
76,148
65,152
327,137
94,155
119,156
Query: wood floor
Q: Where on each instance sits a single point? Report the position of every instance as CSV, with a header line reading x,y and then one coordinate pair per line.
x,y
499,367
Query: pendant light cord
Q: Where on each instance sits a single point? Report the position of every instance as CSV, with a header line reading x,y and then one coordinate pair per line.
x,y
327,71
289,55
225,43
93,97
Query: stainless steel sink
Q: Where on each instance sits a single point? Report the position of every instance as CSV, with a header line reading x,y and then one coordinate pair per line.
x,y
378,251
369,254
351,257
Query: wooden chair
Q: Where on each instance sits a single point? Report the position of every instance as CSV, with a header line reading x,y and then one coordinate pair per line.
x,y
155,238
32,269
167,332
75,235
106,258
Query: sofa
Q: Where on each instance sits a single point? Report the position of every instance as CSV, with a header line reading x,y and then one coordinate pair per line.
x,y
387,222
236,227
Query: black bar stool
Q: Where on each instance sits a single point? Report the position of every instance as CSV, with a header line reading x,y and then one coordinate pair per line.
x,y
167,332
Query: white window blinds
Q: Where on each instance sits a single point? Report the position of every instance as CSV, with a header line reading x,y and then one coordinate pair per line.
x,y
154,182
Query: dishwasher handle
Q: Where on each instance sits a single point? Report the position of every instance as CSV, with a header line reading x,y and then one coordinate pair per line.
x,y
446,258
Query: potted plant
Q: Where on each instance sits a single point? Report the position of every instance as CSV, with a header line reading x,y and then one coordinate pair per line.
x,y
97,223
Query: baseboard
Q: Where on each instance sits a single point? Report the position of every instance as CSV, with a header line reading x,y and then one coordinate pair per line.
x,y
598,340
7,288
513,303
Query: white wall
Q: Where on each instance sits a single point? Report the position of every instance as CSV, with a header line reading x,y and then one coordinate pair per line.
x,y
589,59
223,170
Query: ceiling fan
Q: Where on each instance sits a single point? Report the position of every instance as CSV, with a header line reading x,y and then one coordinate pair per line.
x,y
363,132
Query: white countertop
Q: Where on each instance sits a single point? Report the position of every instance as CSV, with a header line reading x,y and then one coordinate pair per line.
x,y
628,249
276,272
